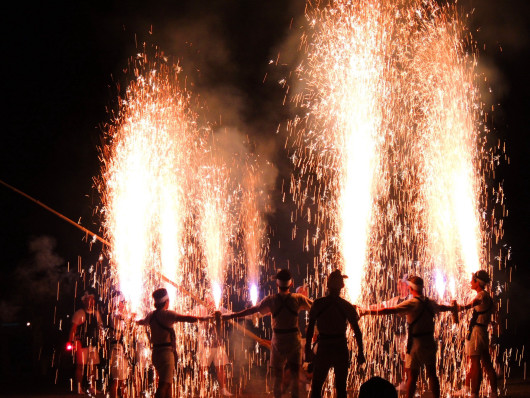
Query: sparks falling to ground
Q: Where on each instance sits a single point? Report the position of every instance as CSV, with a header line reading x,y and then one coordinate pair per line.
x,y
147,174
216,224
254,228
388,156
387,152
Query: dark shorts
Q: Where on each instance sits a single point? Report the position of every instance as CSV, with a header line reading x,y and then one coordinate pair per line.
x,y
334,354
286,348
164,363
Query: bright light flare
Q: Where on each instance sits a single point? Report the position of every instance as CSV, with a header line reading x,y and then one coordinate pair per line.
x,y
253,291
217,294
439,283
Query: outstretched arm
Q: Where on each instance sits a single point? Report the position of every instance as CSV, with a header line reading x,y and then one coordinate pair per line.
x,y
240,314
382,311
445,308
469,305
189,318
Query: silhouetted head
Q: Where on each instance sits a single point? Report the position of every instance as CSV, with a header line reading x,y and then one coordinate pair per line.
x,y
415,283
88,299
481,277
336,281
377,387
161,297
284,280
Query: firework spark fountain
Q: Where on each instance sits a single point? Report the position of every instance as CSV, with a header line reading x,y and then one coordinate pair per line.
x,y
146,169
387,153
344,97
448,142
216,222
253,227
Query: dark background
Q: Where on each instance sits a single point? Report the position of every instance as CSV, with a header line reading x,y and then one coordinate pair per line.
x,y
63,65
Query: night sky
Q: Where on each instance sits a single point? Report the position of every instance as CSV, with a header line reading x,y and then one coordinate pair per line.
x,y
63,65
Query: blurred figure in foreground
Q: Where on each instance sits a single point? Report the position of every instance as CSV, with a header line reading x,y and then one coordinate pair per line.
x,y
377,387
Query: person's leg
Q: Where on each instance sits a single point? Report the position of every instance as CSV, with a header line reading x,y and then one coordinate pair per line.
x,y
123,389
92,371
475,374
221,378
402,386
317,383
79,378
434,383
277,375
411,382
340,367
163,390
294,369
320,373
490,372
113,390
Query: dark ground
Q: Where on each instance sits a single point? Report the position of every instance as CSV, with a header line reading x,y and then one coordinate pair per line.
x,y
517,386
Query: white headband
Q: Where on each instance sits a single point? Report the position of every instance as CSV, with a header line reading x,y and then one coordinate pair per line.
x,y
162,299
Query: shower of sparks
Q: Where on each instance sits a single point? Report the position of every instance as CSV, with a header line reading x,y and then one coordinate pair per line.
x,y
389,152
341,148
170,211
253,226
216,223
146,169
253,292
448,136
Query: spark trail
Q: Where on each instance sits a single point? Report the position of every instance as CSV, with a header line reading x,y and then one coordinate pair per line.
x,y
146,172
388,153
